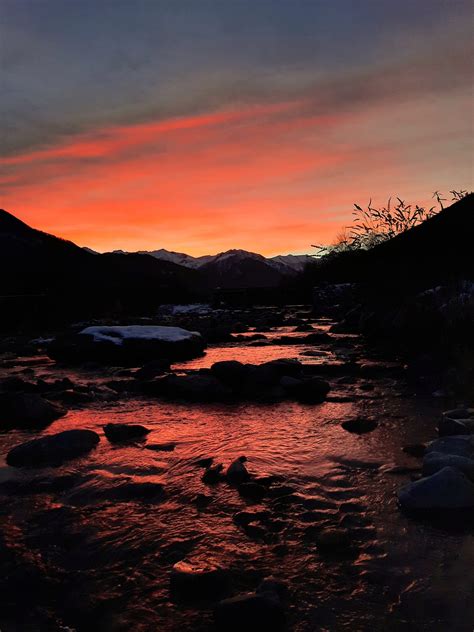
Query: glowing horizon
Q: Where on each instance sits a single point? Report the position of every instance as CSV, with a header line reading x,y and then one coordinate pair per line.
x,y
269,161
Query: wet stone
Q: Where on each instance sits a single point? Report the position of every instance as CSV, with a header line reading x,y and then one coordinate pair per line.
x,y
197,580
360,425
252,612
252,491
117,433
53,449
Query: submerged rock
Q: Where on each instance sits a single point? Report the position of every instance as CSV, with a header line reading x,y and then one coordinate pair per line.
x,y
252,491
116,433
213,474
449,488
53,449
152,369
335,541
196,579
27,410
311,391
250,611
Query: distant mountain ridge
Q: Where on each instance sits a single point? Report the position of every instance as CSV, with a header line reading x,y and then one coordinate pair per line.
x,y
285,264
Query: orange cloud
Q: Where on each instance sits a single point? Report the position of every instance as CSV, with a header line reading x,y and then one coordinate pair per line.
x,y
270,178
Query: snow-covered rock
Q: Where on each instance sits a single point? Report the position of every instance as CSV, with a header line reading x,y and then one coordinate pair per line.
x,y
130,345
117,335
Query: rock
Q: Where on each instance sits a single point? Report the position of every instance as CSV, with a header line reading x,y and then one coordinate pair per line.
x,y
336,541
195,388
255,531
152,369
16,384
250,612
317,338
303,327
205,462
130,345
213,474
415,449
448,427
244,518
237,472
309,391
202,500
269,374
116,433
435,461
72,397
252,491
273,585
27,410
53,449
360,425
197,580
449,488
230,372
161,447
145,491
459,413
460,445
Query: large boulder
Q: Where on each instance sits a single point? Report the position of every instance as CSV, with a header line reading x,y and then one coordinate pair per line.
x,y
435,461
449,488
460,445
27,410
53,450
129,345
459,421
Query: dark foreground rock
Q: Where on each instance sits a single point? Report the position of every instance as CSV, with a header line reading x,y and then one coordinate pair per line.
x,y
27,410
436,461
117,433
127,345
231,380
53,449
449,488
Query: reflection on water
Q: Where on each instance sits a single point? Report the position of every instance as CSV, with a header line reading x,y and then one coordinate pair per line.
x,y
102,544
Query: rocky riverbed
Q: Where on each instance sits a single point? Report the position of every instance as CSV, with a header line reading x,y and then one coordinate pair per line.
x,y
144,530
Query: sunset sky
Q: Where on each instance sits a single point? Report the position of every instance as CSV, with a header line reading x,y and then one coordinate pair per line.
x,y
199,125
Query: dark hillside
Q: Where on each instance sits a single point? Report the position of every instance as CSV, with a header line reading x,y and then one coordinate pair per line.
x,y
46,278
437,251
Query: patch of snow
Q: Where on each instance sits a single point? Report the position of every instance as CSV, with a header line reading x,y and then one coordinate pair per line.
x,y
295,262
117,334
193,308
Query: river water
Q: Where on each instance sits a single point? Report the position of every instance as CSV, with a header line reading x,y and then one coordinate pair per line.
x,y
75,559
